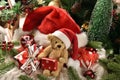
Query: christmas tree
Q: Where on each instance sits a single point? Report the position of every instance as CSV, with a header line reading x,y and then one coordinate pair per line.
x,y
101,20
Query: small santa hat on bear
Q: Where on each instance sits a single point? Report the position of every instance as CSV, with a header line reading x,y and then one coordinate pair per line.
x,y
69,38
48,19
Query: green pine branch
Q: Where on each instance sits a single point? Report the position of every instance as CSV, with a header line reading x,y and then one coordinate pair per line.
x,y
72,73
24,77
111,77
42,77
4,67
112,65
3,3
101,20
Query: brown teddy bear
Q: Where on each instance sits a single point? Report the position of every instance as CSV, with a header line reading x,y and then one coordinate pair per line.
x,y
61,40
56,50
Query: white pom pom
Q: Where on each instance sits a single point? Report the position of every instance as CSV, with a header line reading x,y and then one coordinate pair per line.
x,y
82,39
73,63
102,53
41,38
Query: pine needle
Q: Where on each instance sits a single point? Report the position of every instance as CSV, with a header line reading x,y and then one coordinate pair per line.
x,y
4,67
111,77
24,77
72,73
42,77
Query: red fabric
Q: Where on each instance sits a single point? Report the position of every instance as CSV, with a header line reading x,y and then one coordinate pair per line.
x,y
73,38
87,54
24,55
48,63
48,19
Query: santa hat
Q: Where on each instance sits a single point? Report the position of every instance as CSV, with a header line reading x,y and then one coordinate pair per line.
x,y
48,19
69,38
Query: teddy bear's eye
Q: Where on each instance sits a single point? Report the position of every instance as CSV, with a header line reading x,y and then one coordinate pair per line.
x,y
55,41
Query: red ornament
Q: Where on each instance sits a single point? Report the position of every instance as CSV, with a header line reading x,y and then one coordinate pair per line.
x,y
89,73
48,63
10,44
3,45
3,7
6,45
8,48
4,42
27,39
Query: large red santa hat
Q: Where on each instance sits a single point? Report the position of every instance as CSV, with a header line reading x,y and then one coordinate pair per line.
x,y
69,38
48,19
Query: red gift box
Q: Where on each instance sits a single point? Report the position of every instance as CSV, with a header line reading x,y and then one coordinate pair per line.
x,y
23,57
88,56
48,63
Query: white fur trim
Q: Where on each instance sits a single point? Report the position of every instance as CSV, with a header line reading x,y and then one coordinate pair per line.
x,y
82,39
63,37
73,63
102,53
41,38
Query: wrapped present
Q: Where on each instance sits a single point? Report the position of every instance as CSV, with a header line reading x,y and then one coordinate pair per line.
x,y
48,63
27,59
87,57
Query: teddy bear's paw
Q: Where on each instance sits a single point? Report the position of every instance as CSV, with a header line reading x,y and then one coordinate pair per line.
x,y
55,73
61,60
46,72
41,56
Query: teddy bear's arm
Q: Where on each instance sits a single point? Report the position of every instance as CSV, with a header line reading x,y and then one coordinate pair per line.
x,y
64,57
45,52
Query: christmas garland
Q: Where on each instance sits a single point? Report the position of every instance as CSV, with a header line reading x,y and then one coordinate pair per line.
x,y
72,73
4,67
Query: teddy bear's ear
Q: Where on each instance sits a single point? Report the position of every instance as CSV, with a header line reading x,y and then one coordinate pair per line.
x,y
50,37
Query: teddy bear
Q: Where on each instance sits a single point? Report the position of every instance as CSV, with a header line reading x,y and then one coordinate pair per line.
x,y
56,50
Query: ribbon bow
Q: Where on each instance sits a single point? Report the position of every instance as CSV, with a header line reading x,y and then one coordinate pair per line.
x,y
88,57
31,58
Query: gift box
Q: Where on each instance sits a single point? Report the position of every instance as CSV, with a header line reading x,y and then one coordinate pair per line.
x,y
87,57
48,63
29,62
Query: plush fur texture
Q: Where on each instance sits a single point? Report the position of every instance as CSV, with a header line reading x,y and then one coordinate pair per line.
x,y
55,50
41,38
82,39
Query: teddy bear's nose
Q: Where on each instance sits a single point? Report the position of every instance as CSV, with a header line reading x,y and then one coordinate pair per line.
x,y
58,46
